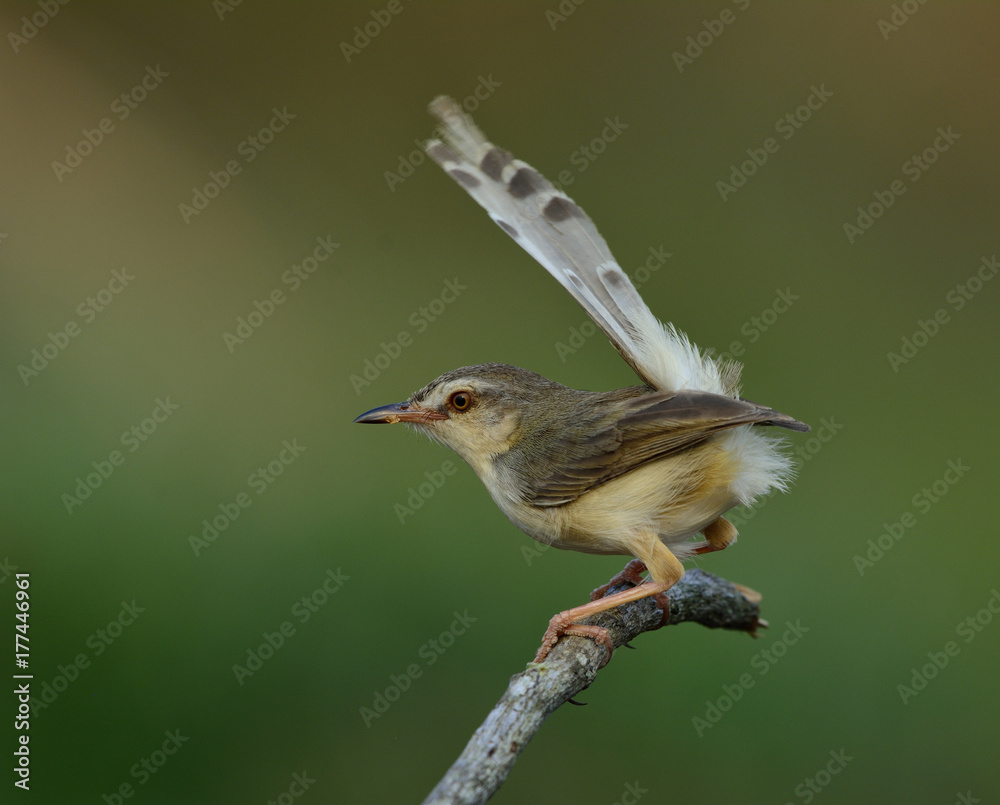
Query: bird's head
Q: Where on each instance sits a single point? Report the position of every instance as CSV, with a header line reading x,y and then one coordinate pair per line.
x,y
480,412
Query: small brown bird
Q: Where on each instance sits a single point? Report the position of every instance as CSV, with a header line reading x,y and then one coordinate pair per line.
x,y
638,471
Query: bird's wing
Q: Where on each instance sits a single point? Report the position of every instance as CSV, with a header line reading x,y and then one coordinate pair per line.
x,y
644,429
553,229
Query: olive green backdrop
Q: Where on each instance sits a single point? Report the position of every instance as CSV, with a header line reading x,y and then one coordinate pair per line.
x,y
220,243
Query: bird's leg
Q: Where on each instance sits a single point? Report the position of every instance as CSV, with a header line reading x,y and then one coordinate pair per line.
x,y
665,570
631,573
718,536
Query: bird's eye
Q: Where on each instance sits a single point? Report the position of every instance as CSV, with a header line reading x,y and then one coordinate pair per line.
x,y
461,400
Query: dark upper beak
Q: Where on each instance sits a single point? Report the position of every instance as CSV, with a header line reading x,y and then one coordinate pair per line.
x,y
400,412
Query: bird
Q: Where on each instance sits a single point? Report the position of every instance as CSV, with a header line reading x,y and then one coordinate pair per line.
x,y
639,471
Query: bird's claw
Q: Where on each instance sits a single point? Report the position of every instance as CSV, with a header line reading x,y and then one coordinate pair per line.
x,y
560,626
663,602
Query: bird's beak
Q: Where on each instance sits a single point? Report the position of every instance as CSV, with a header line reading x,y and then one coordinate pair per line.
x,y
400,412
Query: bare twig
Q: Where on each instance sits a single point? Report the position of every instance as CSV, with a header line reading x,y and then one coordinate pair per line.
x,y
535,693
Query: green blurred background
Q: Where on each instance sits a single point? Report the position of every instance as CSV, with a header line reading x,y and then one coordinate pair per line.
x,y
549,78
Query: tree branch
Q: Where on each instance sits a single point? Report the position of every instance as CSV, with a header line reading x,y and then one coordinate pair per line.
x,y
535,693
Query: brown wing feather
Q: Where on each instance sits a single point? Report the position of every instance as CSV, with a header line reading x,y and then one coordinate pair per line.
x,y
646,428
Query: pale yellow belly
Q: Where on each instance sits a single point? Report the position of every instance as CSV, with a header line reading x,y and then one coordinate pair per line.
x,y
676,498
